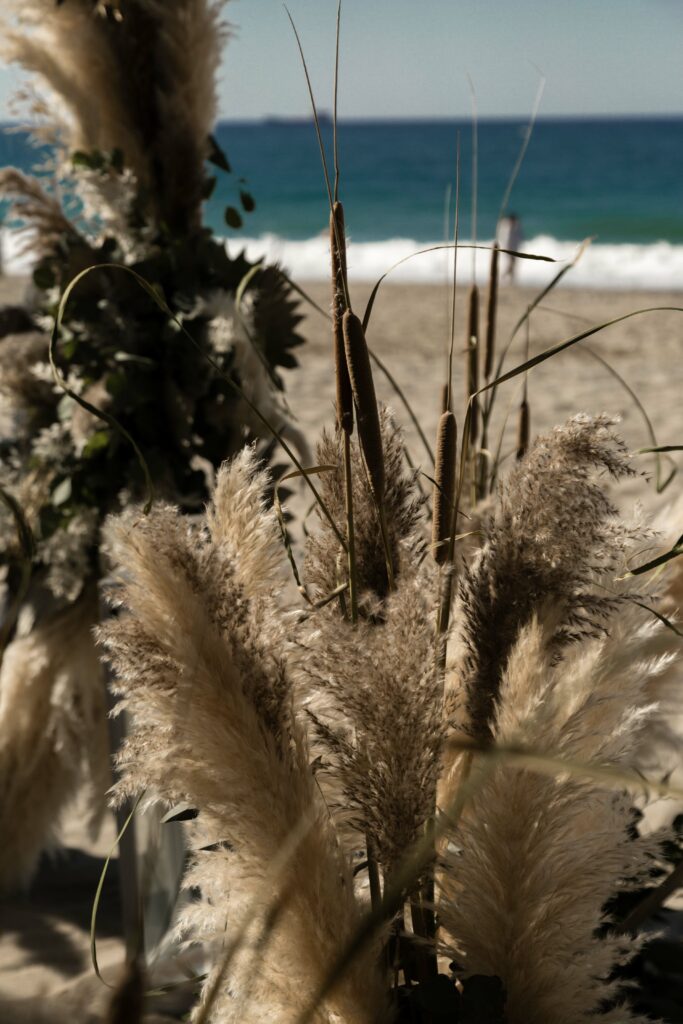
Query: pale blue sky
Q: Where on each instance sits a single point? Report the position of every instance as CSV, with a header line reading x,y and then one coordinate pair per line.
x,y
404,58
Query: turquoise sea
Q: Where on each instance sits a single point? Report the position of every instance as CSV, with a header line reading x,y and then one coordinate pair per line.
x,y
618,180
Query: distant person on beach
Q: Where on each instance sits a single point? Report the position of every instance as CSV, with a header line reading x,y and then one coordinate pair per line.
x,y
510,236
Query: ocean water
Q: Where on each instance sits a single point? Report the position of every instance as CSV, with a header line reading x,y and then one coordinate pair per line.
x,y
619,181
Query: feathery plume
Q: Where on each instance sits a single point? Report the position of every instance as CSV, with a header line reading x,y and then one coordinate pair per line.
x,y
142,83
198,655
48,226
552,533
325,564
374,694
538,858
52,735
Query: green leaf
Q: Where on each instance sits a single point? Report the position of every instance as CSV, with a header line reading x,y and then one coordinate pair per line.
x,y
97,443
233,217
247,200
62,492
217,157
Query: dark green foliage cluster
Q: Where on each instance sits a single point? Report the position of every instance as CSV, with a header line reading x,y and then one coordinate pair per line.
x,y
129,359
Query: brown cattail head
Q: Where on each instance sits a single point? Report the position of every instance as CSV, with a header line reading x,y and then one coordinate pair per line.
x,y
473,360
127,1002
523,428
339,304
363,388
491,313
444,486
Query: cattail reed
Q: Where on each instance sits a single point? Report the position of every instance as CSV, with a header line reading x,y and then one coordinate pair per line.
x,y
339,304
491,313
473,360
523,428
367,413
444,486
445,397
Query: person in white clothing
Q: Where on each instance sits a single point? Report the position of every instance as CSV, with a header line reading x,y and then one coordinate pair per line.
x,y
510,236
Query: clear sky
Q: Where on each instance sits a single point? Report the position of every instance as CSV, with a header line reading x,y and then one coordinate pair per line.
x,y
403,58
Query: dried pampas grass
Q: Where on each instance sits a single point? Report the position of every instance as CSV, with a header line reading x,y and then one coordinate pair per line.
x,y
551,654
142,83
52,735
199,655
555,659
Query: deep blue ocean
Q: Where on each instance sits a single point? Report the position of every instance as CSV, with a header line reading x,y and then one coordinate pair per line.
x,y
620,181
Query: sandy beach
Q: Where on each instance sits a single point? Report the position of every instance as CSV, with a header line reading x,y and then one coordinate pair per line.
x,y
409,331
45,941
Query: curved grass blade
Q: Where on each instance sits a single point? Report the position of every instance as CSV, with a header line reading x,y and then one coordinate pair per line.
x,y
555,349
656,450
539,298
321,147
160,302
406,404
304,295
660,448
658,615
88,406
283,526
549,764
675,551
98,892
437,248
522,153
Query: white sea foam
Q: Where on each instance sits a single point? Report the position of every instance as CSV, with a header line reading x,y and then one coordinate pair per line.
x,y
626,266
655,266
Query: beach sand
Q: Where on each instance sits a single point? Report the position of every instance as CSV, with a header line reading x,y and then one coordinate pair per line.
x,y
409,331
45,939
